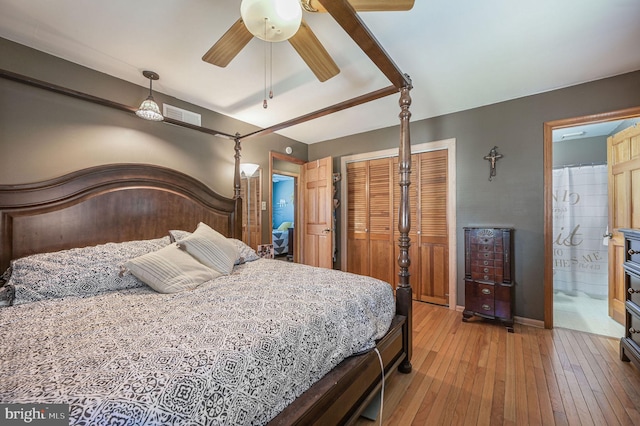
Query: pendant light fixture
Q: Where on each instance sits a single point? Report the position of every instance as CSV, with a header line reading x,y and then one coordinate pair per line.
x,y
149,109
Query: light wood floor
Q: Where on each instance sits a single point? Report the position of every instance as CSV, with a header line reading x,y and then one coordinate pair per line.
x,y
478,374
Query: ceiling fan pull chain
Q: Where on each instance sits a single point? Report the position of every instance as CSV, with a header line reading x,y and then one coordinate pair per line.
x,y
264,101
270,70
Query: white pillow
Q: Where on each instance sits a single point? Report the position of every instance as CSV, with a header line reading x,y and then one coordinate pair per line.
x,y
245,253
210,248
170,270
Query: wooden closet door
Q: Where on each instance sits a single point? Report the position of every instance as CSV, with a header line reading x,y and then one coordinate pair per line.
x,y
357,218
433,236
380,182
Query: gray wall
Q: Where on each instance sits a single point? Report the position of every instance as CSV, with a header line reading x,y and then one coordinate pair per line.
x,y
44,134
515,197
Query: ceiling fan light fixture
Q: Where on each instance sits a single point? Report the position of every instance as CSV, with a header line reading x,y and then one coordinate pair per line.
x,y
282,18
149,109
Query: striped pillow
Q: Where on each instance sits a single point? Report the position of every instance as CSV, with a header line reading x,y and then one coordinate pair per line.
x,y
170,270
210,248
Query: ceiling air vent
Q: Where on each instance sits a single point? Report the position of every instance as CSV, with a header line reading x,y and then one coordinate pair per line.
x,y
181,115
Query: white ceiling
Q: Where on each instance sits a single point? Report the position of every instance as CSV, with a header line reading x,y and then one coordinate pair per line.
x,y
459,54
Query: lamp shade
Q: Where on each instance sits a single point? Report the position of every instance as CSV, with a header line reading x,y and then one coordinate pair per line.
x,y
271,20
249,168
149,110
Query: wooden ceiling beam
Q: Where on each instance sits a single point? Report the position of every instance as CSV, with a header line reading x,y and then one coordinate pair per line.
x,y
346,16
381,93
19,78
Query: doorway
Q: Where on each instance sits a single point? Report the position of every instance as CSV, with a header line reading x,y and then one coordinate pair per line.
x,y
569,299
283,221
580,223
287,169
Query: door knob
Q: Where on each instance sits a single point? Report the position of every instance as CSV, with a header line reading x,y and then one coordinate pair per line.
x,y
326,230
609,235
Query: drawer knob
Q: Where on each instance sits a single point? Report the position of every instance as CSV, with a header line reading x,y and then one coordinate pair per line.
x,y
486,291
488,308
632,252
633,330
631,291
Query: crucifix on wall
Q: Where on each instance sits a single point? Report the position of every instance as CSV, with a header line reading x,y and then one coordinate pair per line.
x,y
492,158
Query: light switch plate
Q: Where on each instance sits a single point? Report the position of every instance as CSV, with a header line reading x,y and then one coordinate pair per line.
x,y
264,205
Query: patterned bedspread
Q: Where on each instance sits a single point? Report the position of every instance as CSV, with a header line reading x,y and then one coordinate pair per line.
x,y
236,350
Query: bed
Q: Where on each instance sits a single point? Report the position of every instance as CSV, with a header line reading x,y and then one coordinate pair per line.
x,y
150,359
120,203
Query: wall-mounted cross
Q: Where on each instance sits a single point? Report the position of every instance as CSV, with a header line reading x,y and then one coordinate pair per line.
x,y
492,158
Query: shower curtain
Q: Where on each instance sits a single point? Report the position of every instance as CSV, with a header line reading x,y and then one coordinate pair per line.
x,y
580,214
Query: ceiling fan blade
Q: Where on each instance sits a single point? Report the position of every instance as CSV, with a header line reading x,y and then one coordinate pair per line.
x,y
313,53
229,45
363,5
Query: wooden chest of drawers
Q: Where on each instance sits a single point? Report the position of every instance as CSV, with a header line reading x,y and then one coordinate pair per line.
x,y
630,343
488,277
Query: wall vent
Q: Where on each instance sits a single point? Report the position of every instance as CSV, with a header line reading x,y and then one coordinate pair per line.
x,y
181,115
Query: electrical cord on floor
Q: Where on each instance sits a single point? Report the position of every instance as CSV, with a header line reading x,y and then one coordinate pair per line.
x,y
382,388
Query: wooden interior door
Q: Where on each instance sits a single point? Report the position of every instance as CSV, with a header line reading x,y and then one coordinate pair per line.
x,y
433,239
317,214
623,159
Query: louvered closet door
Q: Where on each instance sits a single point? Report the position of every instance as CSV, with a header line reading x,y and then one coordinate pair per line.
x,y
251,219
381,259
433,238
414,268
357,218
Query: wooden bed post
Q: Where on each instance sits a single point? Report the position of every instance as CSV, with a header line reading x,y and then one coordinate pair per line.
x,y
237,224
403,290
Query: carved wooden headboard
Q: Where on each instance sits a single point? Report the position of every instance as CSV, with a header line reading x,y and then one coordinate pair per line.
x,y
116,202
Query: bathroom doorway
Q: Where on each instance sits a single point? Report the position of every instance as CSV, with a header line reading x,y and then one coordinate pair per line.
x,y
580,235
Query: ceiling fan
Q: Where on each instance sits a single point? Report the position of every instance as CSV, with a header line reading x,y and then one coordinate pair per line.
x,y
254,22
